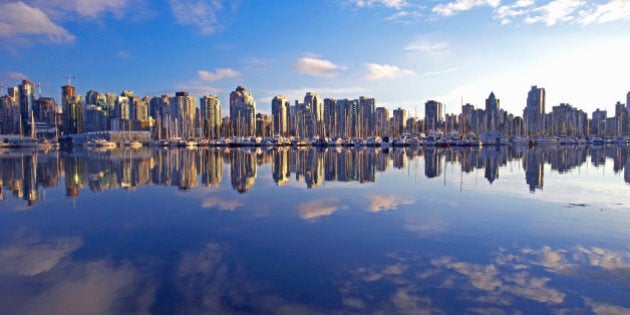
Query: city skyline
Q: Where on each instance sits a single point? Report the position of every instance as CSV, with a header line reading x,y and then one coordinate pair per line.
x,y
179,116
402,53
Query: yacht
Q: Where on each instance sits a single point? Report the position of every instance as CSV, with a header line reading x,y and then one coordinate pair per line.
x,y
100,143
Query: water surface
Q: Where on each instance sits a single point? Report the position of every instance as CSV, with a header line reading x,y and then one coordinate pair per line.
x,y
316,231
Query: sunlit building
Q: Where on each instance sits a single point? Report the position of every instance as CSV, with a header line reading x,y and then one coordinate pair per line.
x,y
211,116
280,112
242,112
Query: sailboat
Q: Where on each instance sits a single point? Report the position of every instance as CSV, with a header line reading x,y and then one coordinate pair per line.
x,y
32,141
129,142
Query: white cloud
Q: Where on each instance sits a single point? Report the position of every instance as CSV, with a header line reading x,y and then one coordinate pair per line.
x,y
16,76
218,74
334,92
197,89
396,4
397,15
19,21
203,14
428,47
555,11
123,54
506,13
88,9
609,12
92,9
385,71
438,72
317,67
451,8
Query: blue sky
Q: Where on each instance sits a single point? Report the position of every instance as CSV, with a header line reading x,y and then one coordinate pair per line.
x,y
402,52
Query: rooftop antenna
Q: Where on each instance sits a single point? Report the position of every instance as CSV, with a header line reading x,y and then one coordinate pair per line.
x,y
69,78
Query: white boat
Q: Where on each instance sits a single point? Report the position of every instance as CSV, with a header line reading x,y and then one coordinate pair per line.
x,y
100,143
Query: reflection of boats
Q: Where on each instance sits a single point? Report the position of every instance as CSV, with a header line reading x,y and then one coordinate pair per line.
x,y
621,140
132,144
492,138
374,141
100,143
517,140
547,140
596,140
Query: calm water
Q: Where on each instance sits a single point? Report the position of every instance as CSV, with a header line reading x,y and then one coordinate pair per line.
x,y
335,231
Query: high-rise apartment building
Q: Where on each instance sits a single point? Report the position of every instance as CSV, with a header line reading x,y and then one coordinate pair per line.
x,y
242,112
433,115
534,112
381,127
347,112
26,92
211,116
398,123
493,106
330,120
466,118
367,111
182,114
72,110
280,112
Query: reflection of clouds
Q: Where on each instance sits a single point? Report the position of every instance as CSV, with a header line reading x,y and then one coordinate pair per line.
x,y
406,302
93,288
605,309
318,208
563,260
97,287
425,226
216,202
203,279
30,256
210,282
391,202
510,278
372,274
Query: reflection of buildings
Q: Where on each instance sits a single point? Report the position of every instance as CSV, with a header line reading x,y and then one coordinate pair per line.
x,y
280,166
243,169
432,163
533,163
25,174
74,168
492,157
211,167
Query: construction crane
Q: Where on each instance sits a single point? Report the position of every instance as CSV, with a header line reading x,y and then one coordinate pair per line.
x,y
39,86
69,78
